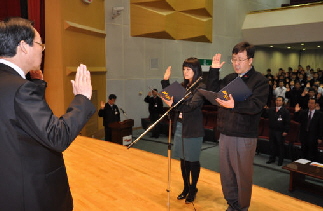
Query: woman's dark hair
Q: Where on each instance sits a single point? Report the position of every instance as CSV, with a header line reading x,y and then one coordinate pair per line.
x,y
12,32
244,46
195,65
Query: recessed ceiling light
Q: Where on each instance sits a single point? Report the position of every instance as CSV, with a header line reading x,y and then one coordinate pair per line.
x,y
302,43
304,49
271,46
318,46
288,47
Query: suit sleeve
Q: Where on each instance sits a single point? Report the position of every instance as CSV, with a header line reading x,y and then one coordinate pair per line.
x,y
213,80
37,119
101,112
165,83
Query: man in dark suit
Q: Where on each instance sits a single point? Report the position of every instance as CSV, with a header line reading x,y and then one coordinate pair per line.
x,y
311,131
155,107
279,119
33,175
110,113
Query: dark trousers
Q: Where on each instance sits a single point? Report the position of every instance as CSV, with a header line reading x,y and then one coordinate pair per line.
x,y
276,141
309,147
153,117
236,169
108,133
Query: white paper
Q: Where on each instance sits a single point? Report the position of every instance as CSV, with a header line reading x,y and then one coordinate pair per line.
x,y
316,164
302,161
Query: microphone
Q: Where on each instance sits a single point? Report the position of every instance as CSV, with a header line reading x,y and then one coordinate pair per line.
x,y
124,113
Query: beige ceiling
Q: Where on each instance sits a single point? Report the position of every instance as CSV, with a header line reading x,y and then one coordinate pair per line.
x,y
286,27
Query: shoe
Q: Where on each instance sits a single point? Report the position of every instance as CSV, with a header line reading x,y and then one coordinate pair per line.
x,y
191,196
234,207
270,161
182,195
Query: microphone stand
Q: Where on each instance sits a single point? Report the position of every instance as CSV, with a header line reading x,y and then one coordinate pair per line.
x,y
188,93
124,113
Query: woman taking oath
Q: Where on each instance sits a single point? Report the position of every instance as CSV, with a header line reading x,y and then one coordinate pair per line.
x,y
188,125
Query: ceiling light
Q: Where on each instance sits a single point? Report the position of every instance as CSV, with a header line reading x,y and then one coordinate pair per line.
x,y
288,47
318,46
302,43
271,46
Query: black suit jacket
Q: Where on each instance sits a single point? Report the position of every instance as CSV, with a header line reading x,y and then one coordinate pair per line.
x,y
33,175
278,121
315,128
109,114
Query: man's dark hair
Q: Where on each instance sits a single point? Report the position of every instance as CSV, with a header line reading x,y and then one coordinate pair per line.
x,y
283,99
112,96
244,46
311,89
12,32
312,98
297,82
195,65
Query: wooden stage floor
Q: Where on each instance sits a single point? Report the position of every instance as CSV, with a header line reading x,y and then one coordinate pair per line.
x,y
108,177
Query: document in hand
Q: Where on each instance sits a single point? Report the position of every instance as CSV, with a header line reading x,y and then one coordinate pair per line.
x,y
209,95
175,90
237,88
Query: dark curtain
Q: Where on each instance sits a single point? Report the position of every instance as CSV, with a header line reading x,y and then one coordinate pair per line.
x,y
36,13
10,8
30,9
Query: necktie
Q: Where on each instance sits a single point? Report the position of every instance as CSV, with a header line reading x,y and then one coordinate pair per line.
x,y
309,120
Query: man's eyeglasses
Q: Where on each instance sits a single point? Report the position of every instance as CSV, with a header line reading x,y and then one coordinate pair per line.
x,y
41,44
238,60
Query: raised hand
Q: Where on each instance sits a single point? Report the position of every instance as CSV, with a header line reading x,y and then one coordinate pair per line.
x,y
36,74
82,83
216,61
297,108
102,104
168,73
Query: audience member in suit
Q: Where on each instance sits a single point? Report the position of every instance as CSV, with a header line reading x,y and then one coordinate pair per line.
x,y
302,79
311,131
155,108
188,127
279,119
314,79
110,113
307,94
294,95
238,125
33,174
